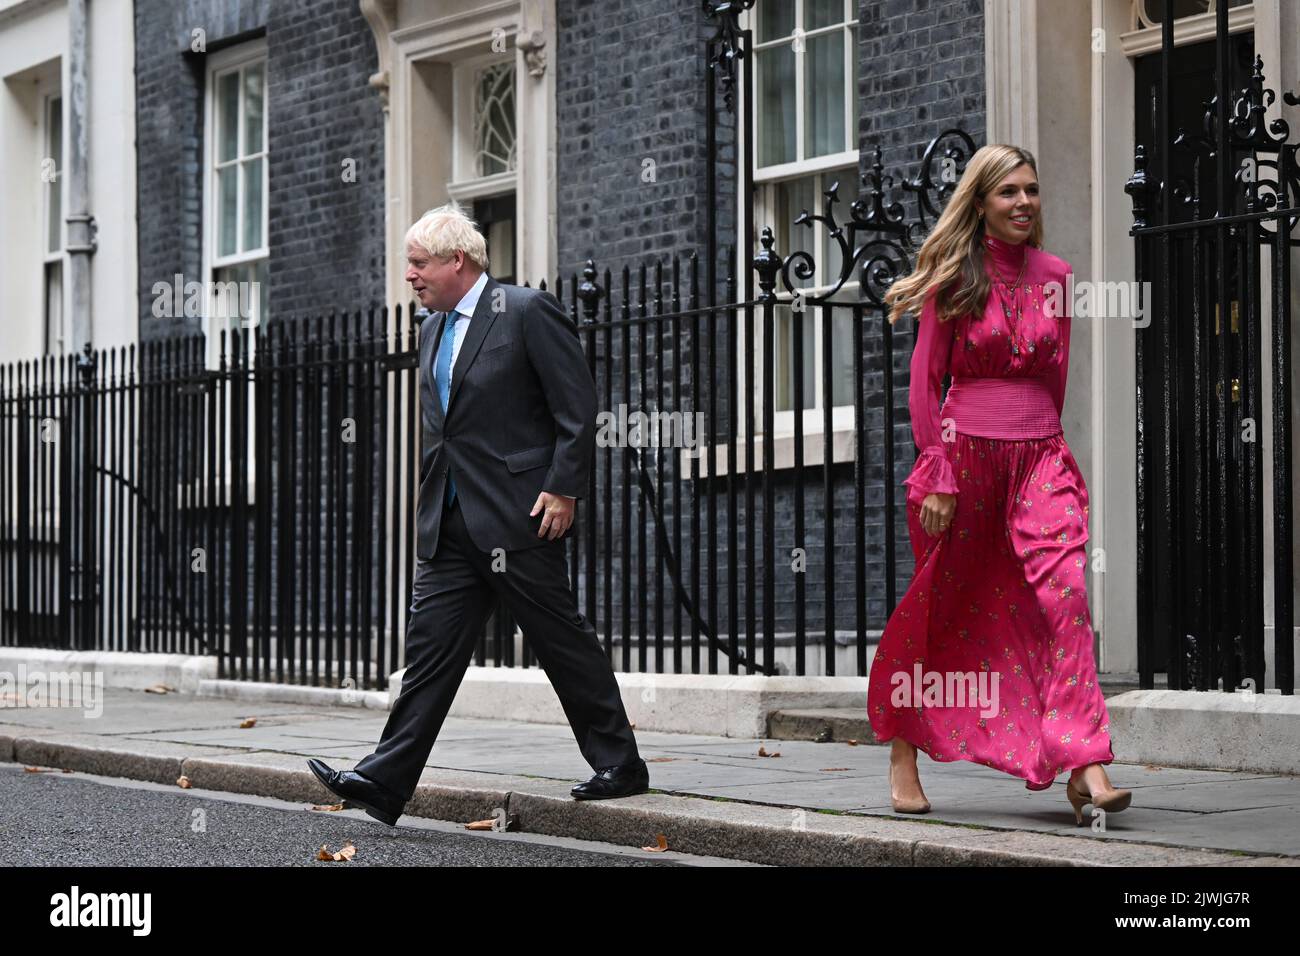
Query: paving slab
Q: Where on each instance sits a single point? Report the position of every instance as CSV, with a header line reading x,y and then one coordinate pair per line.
x,y
815,802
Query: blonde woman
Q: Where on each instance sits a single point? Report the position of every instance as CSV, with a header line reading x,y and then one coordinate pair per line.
x,y
988,657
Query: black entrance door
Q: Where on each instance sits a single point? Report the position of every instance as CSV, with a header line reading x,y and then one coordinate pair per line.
x,y
1200,496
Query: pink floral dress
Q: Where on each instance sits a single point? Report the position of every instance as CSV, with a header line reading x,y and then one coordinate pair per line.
x,y
988,657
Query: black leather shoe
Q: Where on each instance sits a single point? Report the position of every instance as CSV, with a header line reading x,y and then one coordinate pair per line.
x,y
359,791
624,781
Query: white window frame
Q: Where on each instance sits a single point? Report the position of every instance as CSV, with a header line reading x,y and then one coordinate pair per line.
x,y
57,256
466,185
802,165
1144,36
220,64
765,178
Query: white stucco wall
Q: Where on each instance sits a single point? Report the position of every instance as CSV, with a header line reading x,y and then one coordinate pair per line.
x,y
33,50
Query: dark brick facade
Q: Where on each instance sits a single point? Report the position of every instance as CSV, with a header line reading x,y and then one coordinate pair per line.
x,y
326,236
630,88
921,70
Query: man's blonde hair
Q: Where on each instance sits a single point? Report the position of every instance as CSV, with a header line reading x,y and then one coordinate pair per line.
x,y
440,232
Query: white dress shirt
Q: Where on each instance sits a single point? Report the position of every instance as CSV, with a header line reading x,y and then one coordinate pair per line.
x,y
464,309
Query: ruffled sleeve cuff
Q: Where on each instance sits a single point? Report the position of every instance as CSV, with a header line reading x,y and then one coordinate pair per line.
x,y
932,473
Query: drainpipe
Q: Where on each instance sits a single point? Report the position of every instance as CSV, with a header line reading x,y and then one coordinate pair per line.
x,y
80,223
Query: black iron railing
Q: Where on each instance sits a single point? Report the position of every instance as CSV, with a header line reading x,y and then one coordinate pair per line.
x,y
1214,192
258,510
261,511
742,516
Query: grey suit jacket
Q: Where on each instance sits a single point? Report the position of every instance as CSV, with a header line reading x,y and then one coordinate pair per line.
x,y
521,419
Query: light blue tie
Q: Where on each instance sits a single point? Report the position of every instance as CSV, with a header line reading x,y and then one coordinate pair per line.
x,y
443,379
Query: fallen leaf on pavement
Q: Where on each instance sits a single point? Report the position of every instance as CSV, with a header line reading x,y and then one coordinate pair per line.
x,y
480,825
1151,766
184,782
764,753
249,722
38,770
345,853
851,742
330,806
663,844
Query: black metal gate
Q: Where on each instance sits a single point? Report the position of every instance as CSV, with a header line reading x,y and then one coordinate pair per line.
x,y
1214,195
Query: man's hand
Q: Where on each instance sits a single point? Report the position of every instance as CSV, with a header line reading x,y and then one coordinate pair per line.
x,y
557,516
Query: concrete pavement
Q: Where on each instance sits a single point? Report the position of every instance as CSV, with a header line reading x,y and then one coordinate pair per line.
x,y
816,803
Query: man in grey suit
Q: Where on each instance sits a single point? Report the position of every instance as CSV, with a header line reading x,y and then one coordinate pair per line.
x,y
508,410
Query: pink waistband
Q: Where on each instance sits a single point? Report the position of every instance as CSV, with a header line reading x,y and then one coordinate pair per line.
x,y
1001,408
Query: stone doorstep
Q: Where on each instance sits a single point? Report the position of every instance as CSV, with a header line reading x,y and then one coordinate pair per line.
x,y
1210,730
850,723
822,725
1194,730
729,829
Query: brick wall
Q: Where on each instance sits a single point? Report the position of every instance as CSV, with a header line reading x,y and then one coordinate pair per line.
x,y
630,90
326,235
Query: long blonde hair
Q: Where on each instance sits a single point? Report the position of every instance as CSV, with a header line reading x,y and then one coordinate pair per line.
x,y
951,260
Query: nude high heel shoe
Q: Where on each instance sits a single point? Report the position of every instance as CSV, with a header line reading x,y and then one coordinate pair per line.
x,y
1111,801
913,805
